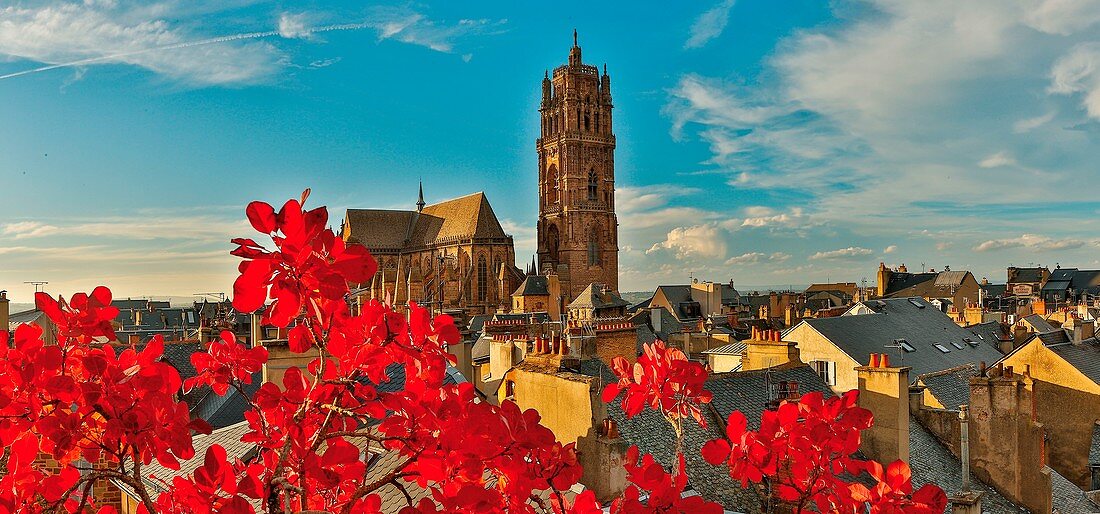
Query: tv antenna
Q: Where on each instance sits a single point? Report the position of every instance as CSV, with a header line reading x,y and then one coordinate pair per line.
x,y
37,284
219,296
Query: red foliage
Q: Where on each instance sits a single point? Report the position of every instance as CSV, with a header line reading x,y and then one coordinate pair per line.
x,y
120,409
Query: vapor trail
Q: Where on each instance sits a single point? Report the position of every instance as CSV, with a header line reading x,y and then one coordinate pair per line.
x,y
187,44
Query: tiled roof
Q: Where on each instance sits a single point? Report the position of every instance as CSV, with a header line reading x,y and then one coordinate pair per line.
x,y
951,387
470,216
1085,356
596,297
1068,498
913,320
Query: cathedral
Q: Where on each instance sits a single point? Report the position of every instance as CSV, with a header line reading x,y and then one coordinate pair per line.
x,y
456,255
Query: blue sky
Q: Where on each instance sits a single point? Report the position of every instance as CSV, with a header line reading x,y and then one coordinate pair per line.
x,y
768,142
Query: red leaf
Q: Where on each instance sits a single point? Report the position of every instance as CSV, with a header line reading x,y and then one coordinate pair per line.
x,y
262,217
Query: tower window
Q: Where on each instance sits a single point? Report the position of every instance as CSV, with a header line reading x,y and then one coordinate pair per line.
x,y
578,119
593,247
551,185
586,123
482,279
593,185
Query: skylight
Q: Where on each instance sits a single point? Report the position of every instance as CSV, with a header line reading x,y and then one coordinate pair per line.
x,y
904,345
941,348
957,345
917,302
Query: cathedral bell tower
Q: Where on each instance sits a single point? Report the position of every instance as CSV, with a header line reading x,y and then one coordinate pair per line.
x,y
577,228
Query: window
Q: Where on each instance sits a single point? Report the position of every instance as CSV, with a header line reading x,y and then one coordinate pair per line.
x,y
593,185
509,389
482,279
597,122
586,122
593,248
941,347
826,370
958,346
904,345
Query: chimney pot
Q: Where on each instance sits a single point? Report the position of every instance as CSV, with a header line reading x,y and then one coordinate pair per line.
x,y
874,360
1008,371
885,360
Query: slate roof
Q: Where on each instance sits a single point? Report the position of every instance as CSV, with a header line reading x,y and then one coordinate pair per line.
x,y
480,351
675,295
470,216
1068,498
1028,275
1078,279
928,285
951,387
899,281
1039,323
596,297
989,332
848,288
1084,356
652,434
932,463
23,317
1056,336
994,290
912,319
534,285
728,349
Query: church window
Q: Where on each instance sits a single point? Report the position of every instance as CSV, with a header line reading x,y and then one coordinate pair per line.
x,y
593,185
482,279
593,248
551,185
586,122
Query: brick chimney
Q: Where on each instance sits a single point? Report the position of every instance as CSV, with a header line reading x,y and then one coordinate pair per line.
x,y
764,349
884,390
1007,444
5,310
604,472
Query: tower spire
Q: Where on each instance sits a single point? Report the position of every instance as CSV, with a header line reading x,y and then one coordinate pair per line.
x,y
575,37
420,200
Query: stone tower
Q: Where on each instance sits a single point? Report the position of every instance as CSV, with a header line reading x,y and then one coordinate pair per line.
x,y
577,228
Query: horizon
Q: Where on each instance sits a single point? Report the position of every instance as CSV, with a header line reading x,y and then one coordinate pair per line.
x,y
769,144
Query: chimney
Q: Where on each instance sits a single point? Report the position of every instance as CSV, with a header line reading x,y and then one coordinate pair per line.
x,y
764,349
5,310
604,472
884,390
1006,444
134,339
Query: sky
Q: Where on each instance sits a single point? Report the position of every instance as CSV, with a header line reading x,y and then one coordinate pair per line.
x,y
765,142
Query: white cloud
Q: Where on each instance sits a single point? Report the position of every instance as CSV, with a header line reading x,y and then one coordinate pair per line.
x,y
294,26
890,249
408,26
765,217
25,229
1029,124
997,160
104,33
851,252
1079,72
1032,242
710,24
745,258
1063,17
705,241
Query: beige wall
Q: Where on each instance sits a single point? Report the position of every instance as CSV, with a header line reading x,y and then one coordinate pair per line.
x,y
1067,404
812,346
720,363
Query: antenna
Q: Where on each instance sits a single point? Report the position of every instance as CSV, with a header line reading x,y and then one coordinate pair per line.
x,y
37,284
219,296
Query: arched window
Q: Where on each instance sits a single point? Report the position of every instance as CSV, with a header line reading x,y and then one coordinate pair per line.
x,y
593,247
552,185
552,244
586,122
482,279
593,185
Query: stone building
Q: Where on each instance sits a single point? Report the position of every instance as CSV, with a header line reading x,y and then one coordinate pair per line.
x,y
577,227
449,255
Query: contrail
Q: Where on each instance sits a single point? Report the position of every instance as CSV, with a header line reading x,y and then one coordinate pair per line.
x,y
188,44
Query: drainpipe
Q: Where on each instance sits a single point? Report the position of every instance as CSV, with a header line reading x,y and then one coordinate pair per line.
x,y
964,450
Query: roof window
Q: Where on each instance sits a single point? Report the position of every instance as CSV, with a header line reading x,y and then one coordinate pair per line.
x,y
941,347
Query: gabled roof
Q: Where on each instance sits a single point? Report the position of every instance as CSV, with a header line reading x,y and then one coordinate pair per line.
x,y
900,281
1079,280
990,332
534,285
1026,275
848,288
598,296
912,319
1039,323
951,387
470,216
1085,356
928,285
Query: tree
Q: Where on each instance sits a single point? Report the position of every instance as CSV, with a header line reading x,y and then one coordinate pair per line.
x,y
100,413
